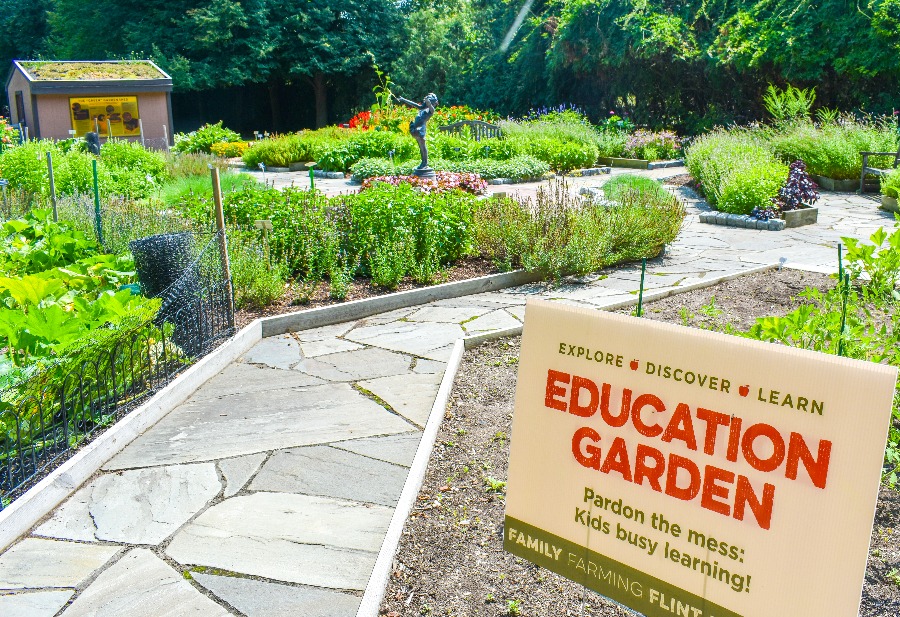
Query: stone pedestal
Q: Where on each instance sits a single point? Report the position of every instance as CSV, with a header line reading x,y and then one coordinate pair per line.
x,y
424,172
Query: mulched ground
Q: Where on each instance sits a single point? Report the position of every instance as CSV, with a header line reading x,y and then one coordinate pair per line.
x,y
296,298
450,559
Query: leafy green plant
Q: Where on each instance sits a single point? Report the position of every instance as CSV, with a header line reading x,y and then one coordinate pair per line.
x,y
832,150
737,169
871,329
203,138
558,235
617,186
789,104
257,279
513,607
890,184
494,485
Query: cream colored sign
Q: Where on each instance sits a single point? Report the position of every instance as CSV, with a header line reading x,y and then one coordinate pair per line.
x,y
686,472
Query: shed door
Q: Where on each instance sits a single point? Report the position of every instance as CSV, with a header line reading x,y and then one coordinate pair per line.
x,y
20,106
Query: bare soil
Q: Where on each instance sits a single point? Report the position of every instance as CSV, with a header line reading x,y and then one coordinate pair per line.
x,y
296,298
451,561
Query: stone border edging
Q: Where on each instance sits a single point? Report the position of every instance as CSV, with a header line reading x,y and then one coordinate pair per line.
x,y
23,513
377,585
359,309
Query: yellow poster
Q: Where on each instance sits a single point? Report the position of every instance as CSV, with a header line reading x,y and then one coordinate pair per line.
x,y
686,472
104,113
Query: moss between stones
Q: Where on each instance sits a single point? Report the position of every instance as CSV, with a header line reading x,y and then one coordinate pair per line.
x,y
57,71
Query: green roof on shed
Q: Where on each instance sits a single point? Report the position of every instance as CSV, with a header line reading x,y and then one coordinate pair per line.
x,y
54,70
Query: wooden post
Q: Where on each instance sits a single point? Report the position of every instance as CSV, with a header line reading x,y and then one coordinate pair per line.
x,y
141,130
166,136
52,187
223,240
108,130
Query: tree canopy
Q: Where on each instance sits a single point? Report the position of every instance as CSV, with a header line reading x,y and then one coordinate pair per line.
x,y
683,63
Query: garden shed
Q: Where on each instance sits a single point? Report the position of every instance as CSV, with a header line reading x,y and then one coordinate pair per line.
x,y
129,99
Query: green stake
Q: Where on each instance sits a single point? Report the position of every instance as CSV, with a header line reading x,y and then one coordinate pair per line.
x,y
840,262
312,179
845,281
97,222
640,308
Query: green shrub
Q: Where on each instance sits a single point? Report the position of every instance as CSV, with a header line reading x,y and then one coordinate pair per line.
x,y
737,170
342,155
751,186
25,166
611,143
890,184
563,141
278,151
617,186
650,146
180,189
203,138
134,171
185,164
559,235
371,168
74,175
257,279
832,150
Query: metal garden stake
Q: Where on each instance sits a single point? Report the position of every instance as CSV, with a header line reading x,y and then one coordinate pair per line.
x,y
98,223
223,240
640,306
52,186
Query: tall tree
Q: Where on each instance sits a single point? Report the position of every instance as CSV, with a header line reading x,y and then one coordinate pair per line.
x,y
330,39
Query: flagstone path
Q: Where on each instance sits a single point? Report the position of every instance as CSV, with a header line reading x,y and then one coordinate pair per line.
x,y
270,490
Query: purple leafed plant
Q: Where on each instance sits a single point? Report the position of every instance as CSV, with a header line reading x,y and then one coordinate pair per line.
x,y
798,190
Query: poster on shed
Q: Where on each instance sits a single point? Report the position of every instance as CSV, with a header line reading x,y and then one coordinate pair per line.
x,y
686,472
118,114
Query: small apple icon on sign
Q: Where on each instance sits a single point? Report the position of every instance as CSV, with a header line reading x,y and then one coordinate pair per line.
x,y
744,390
634,365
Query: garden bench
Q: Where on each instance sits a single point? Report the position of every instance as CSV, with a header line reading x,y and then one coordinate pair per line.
x,y
477,128
875,171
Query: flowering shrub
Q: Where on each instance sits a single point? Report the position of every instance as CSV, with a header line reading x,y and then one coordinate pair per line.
x,y
798,190
8,134
616,123
230,149
442,182
568,110
397,118
203,138
652,146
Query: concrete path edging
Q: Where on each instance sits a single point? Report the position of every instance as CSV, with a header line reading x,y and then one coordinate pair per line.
x,y
359,309
23,513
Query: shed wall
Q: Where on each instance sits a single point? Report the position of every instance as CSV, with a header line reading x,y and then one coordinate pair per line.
x,y
19,83
153,109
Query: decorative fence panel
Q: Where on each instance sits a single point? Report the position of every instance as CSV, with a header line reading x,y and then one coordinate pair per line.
x,y
61,406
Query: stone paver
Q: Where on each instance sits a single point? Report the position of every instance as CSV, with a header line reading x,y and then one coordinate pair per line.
x,y
142,585
302,446
137,506
248,424
355,365
34,604
295,538
397,449
409,395
240,378
259,599
35,563
331,472
238,471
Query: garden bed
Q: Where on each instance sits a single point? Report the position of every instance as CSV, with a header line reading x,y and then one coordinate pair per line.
x,y
450,560
296,298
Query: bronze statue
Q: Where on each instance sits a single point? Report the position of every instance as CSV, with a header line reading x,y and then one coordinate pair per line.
x,y
417,129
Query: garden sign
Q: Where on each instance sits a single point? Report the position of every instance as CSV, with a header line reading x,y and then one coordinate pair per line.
x,y
686,472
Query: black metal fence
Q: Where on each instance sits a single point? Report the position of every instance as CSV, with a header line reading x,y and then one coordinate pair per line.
x,y
61,406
